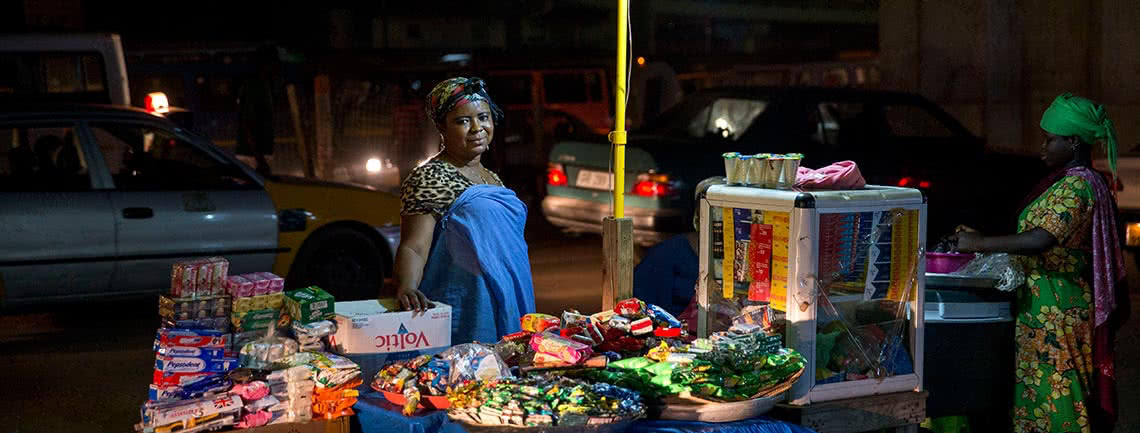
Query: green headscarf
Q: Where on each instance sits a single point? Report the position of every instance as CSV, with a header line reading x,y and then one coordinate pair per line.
x,y
1076,116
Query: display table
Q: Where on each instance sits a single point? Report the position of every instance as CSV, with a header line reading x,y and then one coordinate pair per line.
x,y
375,415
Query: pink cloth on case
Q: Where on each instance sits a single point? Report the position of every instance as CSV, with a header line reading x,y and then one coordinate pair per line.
x,y
841,175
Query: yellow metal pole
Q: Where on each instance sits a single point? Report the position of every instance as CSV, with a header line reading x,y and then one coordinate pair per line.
x,y
618,137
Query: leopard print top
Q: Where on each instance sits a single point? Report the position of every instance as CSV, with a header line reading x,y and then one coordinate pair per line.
x,y
432,187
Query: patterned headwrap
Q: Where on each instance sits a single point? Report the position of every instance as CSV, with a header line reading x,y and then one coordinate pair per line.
x,y
1076,116
453,92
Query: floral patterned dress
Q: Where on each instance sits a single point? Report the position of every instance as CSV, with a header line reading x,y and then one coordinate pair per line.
x,y
1054,321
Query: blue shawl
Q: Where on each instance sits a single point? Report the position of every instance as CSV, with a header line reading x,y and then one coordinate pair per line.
x,y
479,265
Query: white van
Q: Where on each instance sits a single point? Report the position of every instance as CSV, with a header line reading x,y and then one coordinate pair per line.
x,y
76,67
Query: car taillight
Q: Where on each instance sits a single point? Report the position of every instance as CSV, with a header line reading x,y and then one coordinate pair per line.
x,y
652,185
647,188
910,182
555,175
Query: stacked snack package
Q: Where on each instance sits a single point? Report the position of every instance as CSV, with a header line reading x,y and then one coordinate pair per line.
x,y
336,379
314,336
257,302
293,388
191,347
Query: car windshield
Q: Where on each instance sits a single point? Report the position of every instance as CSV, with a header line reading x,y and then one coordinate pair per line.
x,y
703,116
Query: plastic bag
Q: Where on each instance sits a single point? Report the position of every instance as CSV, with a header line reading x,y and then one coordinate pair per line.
x,y
1000,266
473,361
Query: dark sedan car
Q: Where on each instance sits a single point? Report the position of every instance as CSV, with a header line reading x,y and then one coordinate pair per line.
x,y
896,139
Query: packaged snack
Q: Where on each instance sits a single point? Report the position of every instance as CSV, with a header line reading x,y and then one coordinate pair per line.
x,y
411,400
663,318
629,306
310,304
621,323
667,332
536,322
473,361
641,326
746,329
602,317
255,320
574,318
292,374
275,284
563,349
251,391
267,353
239,286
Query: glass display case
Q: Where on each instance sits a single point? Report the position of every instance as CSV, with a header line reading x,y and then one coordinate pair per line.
x,y
837,273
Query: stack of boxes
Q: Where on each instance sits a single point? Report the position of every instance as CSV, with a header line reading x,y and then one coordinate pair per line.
x,y
192,343
257,301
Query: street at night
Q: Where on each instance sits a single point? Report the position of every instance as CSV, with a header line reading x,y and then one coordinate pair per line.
x,y
549,216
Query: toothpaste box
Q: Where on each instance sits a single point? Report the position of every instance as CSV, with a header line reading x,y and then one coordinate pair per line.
x,y
310,304
178,378
370,327
191,352
203,338
157,393
174,364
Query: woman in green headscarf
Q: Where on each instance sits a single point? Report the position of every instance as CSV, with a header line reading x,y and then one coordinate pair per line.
x,y
1066,315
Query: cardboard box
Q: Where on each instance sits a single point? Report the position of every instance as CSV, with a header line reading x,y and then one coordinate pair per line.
x,y
310,304
369,327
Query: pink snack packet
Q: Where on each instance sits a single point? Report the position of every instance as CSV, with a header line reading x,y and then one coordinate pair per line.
x,y
238,286
564,349
276,283
260,283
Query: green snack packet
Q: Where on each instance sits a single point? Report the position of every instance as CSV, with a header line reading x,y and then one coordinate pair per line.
x,y
661,369
636,363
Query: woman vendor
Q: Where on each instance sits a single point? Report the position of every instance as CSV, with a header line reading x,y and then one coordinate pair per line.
x,y
461,231
1074,300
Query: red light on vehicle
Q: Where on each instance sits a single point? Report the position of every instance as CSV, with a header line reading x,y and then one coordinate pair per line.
x,y
648,188
555,177
156,102
906,181
924,184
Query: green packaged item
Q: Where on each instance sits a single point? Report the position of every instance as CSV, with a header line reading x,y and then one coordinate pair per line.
x,y
632,363
255,320
661,369
310,304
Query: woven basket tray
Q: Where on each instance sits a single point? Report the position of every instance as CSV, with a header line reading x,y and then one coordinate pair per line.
x,y
688,407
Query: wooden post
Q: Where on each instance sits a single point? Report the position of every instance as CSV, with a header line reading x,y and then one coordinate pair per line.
x,y
323,126
617,253
302,151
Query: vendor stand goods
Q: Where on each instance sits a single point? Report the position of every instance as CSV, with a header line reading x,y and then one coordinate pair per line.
x,y
608,367
831,316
